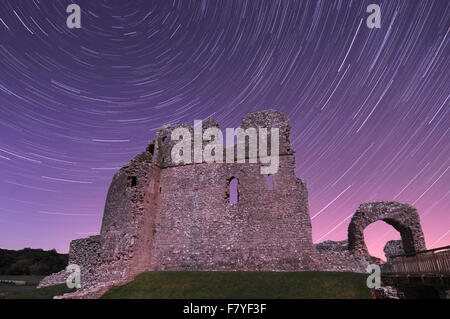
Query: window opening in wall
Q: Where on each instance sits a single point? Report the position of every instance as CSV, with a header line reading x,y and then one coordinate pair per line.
x,y
270,182
151,149
132,181
234,191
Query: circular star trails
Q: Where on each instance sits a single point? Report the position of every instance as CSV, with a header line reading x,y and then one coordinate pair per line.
x,y
368,107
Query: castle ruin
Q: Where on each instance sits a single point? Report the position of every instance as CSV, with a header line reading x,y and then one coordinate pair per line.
x,y
160,215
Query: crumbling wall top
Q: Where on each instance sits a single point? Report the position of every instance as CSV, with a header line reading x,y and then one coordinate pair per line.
x,y
163,145
271,119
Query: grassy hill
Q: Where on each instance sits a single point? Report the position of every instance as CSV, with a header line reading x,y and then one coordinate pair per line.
x,y
205,285
235,285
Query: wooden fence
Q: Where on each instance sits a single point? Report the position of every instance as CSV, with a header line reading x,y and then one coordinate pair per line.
x,y
435,261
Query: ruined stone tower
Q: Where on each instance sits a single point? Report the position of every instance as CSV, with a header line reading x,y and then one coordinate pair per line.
x,y
160,215
165,216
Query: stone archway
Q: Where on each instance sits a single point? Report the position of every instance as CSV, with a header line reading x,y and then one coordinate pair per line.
x,y
403,217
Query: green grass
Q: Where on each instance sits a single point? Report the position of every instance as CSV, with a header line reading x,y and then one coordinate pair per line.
x,y
236,285
29,291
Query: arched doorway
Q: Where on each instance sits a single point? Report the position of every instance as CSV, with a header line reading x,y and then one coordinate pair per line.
x,y
377,235
403,217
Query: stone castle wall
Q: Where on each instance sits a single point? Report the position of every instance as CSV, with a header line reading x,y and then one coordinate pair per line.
x,y
197,228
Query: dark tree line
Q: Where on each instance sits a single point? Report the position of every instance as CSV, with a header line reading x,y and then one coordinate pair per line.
x,y
31,262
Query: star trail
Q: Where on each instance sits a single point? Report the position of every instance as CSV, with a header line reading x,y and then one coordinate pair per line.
x,y
369,108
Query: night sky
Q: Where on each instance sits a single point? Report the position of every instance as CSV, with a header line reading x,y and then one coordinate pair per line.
x,y
369,108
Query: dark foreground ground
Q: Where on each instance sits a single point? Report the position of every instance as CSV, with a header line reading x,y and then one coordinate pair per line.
x,y
29,291
214,285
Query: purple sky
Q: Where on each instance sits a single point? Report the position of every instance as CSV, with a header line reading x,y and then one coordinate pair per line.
x,y
369,107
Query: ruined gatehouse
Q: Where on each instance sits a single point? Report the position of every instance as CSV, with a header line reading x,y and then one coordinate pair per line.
x,y
161,215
